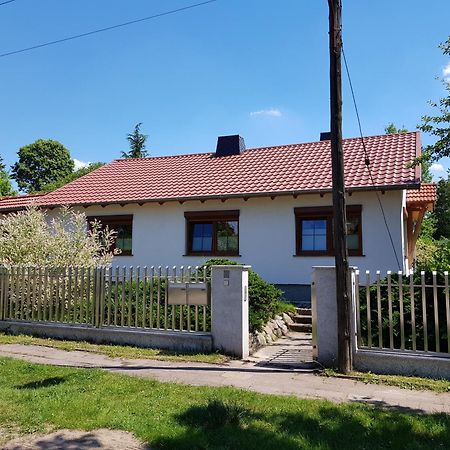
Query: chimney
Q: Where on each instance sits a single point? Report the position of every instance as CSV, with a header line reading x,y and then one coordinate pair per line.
x,y
230,145
325,136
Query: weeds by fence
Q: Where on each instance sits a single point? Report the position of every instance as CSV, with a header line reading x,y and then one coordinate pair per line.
x,y
402,312
123,297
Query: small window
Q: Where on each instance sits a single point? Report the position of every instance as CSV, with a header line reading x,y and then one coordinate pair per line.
x,y
212,233
123,226
314,231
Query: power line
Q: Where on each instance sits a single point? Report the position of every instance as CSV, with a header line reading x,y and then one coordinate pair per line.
x,y
367,159
101,30
8,1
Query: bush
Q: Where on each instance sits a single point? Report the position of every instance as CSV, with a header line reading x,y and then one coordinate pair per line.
x,y
31,237
433,255
265,300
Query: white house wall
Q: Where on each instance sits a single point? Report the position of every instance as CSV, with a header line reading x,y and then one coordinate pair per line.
x,y
266,234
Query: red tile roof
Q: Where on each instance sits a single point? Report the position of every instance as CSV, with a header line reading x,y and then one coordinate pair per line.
x,y
286,169
19,201
426,194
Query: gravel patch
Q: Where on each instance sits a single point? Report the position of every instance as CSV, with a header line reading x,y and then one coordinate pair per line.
x,y
78,440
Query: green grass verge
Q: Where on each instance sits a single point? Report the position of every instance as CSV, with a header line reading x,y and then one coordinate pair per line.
x,y
114,351
412,383
174,416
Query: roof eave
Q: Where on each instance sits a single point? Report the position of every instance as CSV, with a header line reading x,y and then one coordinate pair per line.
x,y
245,195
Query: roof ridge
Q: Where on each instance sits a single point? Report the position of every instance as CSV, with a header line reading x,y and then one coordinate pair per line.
x,y
181,155
7,197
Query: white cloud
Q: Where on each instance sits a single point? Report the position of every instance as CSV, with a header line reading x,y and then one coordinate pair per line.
x,y
270,112
80,164
446,72
437,167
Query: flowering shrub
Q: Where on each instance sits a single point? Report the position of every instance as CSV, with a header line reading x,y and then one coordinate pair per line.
x,y
32,237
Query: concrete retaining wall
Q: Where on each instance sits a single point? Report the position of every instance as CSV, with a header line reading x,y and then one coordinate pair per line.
x,y
395,363
168,340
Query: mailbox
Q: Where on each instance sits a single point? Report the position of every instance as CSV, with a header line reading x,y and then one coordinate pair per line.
x,y
188,293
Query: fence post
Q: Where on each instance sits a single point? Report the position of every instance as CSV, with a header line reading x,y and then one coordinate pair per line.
x,y
3,275
97,296
229,309
324,314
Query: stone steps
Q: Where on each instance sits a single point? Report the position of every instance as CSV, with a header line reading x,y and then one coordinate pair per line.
x,y
302,320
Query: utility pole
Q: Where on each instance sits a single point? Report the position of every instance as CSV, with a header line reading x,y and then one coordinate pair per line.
x,y
339,213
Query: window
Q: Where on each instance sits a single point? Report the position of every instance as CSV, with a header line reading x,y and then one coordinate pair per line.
x,y
123,226
314,231
212,233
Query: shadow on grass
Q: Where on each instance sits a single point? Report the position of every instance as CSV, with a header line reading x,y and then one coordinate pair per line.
x,y
228,425
47,382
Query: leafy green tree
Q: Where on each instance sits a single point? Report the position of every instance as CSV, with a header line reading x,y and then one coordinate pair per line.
x,y
6,187
137,142
41,163
441,212
71,177
439,124
390,128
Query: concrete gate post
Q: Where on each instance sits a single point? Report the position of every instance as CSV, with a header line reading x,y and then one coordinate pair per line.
x,y
229,310
324,314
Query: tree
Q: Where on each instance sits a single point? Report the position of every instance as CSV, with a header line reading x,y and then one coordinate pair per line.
x,y
41,163
439,125
71,177
441,212
6,187
390,128
137,142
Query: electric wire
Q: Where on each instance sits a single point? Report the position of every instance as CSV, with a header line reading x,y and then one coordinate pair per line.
x,y
101,30
7,1
367,159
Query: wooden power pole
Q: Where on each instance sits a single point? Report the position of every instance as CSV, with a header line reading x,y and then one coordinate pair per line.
x,y
339,214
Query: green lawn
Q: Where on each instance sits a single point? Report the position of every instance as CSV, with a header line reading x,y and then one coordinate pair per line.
x,y
171,416
114,351
404,382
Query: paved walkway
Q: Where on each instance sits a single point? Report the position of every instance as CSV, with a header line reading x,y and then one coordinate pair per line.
x,y
289,352
246,375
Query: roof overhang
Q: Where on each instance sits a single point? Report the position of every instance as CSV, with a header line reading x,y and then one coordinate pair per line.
x,y
243,195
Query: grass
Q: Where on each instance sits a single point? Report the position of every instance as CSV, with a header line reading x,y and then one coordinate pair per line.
x,y
404,382
114,351
174,416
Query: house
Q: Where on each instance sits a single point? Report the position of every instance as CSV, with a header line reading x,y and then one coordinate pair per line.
x,y
268,207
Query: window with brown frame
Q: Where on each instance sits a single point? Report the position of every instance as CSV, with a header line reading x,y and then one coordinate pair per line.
x,y
123,225
314,231
212,233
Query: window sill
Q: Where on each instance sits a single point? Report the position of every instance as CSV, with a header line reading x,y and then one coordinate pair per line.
x,y
214,255
330,255
123,254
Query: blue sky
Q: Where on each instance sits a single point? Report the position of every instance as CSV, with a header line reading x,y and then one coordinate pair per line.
x,y
254,67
